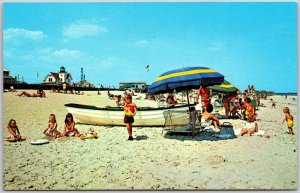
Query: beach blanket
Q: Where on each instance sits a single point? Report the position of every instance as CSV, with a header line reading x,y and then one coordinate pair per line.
x,y
224,136
260,133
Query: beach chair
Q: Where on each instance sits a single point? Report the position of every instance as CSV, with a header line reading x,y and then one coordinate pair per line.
x,y
219,109
183,121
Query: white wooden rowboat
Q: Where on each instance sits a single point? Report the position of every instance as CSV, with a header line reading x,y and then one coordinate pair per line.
x,y
113,116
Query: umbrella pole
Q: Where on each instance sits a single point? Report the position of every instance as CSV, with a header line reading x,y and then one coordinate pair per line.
x,y
188,100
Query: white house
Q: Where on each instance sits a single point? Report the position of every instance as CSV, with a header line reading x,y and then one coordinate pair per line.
x,y
58,78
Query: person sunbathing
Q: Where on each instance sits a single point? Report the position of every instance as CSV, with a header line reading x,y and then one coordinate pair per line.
x,y
40,93
251,126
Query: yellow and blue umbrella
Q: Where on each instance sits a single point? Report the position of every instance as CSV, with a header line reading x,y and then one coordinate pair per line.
x,y
185,79
225,87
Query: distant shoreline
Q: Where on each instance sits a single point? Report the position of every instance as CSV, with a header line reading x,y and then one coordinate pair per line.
x,y
287,93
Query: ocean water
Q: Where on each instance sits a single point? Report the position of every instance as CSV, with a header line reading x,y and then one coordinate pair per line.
x,y
289,94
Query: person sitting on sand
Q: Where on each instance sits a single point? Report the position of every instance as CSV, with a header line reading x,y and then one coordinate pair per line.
x,y
14,132
249,109
69,129
209,119
51,130
110,96
11,89
289,119
118,101
250,127
170,100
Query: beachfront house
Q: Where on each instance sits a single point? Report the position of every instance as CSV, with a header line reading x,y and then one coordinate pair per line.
x,y
135,86
84,83
59,78
8,79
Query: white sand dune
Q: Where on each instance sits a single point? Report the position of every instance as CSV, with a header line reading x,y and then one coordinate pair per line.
x,y
152,161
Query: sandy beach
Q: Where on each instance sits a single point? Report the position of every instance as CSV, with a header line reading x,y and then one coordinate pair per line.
x,y
152,161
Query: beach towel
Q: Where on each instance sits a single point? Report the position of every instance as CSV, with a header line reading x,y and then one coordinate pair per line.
x,y
224,136
260,133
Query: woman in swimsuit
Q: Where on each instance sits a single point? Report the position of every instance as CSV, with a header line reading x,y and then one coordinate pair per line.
x,y
210,119
40,93
250,127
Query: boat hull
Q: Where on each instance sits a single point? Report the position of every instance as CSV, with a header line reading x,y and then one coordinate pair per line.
x,y
113,116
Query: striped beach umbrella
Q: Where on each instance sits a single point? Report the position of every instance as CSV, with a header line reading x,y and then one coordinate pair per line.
x,y
225,87
185,79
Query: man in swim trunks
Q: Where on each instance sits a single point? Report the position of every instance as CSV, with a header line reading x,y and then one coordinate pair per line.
x,y
204,92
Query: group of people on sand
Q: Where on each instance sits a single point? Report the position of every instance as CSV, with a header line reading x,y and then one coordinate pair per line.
x,y
65,91
51,130
244,104
69,127
250,127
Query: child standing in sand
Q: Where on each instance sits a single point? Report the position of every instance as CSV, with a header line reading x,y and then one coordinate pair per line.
x,y
289,119
69,129
51,130
14,132
129,110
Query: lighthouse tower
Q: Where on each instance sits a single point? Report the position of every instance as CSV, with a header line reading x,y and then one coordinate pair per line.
x,y
82,77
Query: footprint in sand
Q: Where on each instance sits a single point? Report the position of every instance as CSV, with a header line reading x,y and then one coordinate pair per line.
x,y
216,159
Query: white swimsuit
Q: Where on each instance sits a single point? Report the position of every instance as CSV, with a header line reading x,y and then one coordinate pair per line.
x,y
250,125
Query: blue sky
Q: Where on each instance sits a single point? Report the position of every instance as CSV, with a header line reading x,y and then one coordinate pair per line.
x,y
249,43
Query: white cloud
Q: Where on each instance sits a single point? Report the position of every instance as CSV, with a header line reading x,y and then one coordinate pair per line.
x,y
109,62
17,33
66,53
141,43
60,55
80,29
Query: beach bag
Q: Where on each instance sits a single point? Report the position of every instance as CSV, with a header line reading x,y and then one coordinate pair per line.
x,y
227,129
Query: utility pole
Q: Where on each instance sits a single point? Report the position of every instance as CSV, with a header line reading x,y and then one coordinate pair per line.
x,y
99,89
